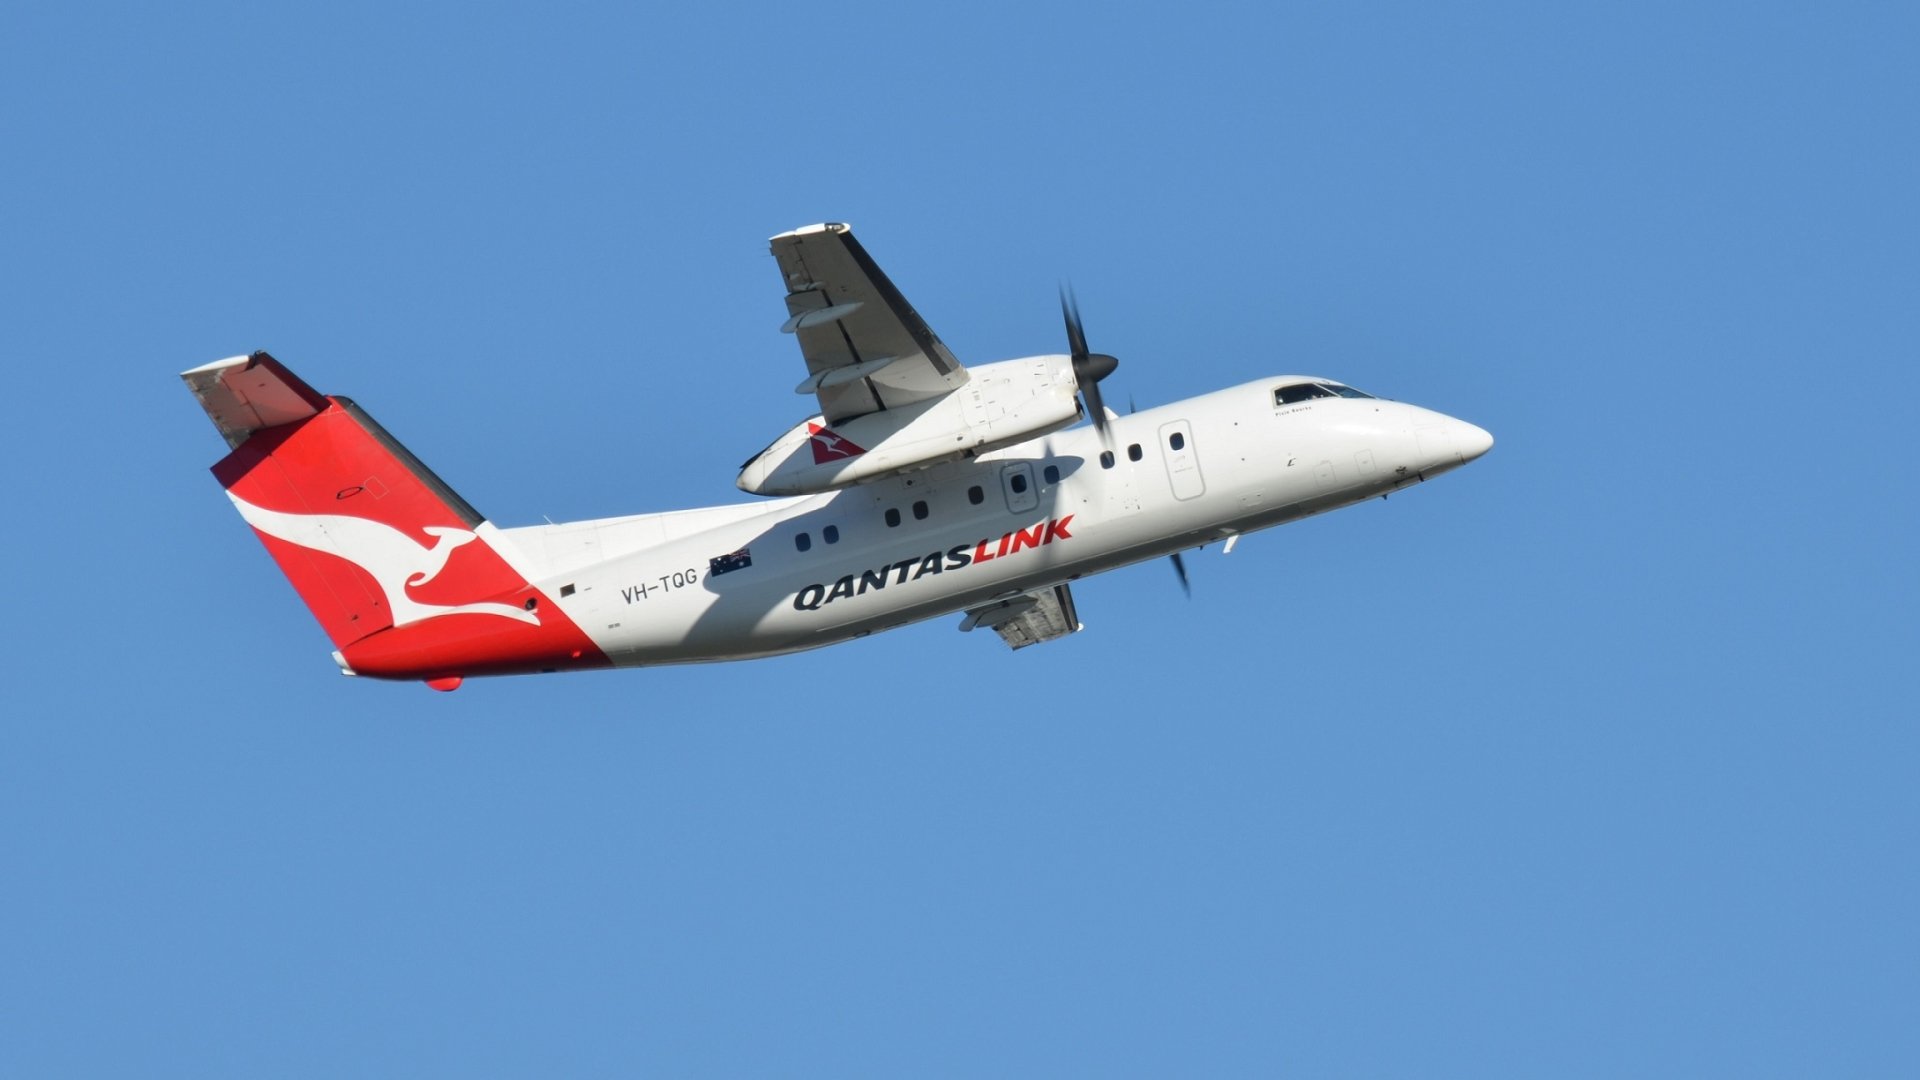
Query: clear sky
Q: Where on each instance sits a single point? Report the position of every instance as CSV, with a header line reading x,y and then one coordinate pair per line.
x,y
1595,758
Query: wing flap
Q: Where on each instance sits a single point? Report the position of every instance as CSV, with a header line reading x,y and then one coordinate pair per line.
x,y
847,314
1029,619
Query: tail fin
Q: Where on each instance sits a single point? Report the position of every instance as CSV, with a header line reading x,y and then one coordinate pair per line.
x,y
401,573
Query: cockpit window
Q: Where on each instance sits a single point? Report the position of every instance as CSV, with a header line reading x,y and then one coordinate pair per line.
x,y
1298,392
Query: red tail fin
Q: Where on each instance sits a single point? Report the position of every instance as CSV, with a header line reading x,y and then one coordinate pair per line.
x,y
398,569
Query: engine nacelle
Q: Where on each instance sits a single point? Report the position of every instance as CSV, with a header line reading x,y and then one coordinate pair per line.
x,y
1000,404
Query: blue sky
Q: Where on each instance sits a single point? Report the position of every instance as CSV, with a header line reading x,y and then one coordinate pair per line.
x,y
1594,758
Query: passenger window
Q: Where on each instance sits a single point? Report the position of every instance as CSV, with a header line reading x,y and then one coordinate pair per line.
x,y
1106,459
1052,474
1133,452
802,541
1018,483
975,495
1177,441
831,534
919,510
893,517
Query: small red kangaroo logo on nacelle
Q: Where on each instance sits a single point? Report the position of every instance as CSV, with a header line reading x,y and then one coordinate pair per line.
x,y
829,446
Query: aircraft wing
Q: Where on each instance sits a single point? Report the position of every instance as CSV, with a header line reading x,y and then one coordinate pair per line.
x,y
1028,619
866,348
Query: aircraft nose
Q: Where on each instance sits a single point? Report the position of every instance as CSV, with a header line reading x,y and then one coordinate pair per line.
x,y
1442,442
1471,440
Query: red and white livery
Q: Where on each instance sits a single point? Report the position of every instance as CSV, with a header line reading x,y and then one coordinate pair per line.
x,y
921,488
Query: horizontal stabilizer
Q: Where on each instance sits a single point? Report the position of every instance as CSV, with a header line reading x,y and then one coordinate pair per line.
x,y
245,394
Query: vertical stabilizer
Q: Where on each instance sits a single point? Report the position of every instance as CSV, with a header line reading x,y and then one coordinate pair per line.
x,y
400,572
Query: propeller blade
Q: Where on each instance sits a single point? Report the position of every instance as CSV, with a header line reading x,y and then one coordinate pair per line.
x,y
1180,568
1076,334
1090,389
1088,367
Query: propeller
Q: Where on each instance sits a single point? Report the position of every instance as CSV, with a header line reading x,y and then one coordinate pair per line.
x,y
1088,367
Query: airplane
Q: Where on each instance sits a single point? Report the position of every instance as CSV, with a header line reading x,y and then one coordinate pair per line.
x,y
921,487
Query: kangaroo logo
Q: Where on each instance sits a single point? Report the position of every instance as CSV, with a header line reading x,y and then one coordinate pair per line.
x,y
390,557
828,446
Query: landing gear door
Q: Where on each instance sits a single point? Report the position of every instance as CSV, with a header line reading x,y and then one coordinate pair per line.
x,y
1016,483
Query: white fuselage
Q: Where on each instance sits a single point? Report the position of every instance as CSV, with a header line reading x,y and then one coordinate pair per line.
x,y
819,569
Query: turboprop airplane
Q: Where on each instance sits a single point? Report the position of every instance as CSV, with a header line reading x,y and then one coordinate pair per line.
x,y
922,487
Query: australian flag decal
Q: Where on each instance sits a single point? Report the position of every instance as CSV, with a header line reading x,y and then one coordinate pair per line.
x,y
727,564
